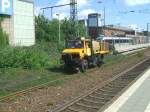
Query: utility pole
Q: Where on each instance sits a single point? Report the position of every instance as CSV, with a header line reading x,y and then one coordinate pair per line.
x,y
74,16
71,4
73,13
58,27
104,19
51,13
147,40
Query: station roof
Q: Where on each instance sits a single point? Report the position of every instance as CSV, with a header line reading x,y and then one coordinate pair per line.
x,y
119,28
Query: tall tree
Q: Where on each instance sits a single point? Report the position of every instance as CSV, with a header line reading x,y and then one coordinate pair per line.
x,y
48,30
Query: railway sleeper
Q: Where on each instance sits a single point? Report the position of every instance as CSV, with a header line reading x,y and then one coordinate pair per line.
x,y
78,108
133,73
112,89
131,76
87,106
106,92
103,94
116,86
119,83
101,98
98,98
69,110
93,101
127,80
121,79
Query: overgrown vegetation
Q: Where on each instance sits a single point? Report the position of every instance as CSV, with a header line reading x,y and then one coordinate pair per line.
x,y
3,39
3,36
29,58
24,67
46,52
48,30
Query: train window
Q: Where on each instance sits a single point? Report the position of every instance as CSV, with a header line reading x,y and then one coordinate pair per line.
x,y
110,41
116,41
120,41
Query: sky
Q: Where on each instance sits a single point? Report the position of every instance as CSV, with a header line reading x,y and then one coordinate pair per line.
x,y
117,11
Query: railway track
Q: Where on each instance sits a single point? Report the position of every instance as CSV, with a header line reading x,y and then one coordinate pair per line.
x,y
44,85
99,97
25,91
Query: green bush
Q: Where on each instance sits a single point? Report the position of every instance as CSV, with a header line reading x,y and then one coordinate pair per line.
x,y
42,55
3,38
29,58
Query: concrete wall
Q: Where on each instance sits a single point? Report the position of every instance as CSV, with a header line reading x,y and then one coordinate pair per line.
x,y
23,23
7,26
20,26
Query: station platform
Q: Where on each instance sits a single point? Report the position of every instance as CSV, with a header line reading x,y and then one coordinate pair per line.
x,y
136,98
126,48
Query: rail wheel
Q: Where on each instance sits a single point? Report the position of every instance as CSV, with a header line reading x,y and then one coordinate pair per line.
x,y
84,65
100,60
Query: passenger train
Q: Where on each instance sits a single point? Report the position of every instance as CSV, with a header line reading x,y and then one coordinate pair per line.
x,y
118,41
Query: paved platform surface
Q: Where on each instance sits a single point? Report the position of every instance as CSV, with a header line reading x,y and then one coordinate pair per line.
x,y
123,48
136,98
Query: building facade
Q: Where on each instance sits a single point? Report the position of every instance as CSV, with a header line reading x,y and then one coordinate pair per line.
x,y
19,23
118,31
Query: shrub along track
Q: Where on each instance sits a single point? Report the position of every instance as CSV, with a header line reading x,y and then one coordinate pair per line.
x,y
96,99
22,92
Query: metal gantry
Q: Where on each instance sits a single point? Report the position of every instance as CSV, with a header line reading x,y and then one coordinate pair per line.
x,y
73,10
74,16
73,13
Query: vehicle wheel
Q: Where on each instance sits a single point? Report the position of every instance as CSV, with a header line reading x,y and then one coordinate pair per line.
x,y
99,61
95,60
65,68
84,65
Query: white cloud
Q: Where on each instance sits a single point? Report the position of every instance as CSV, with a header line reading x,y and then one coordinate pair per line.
x,y
81,15
65,11
80,3
37,11
61,16
84,13
136,2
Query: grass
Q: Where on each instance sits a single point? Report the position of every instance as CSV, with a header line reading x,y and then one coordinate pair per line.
x,y
111,60
16,79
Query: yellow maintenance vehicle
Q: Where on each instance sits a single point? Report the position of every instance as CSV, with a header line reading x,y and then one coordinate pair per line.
x,y
83,53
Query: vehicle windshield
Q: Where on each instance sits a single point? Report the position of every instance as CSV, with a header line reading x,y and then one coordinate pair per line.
x,y
75,44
